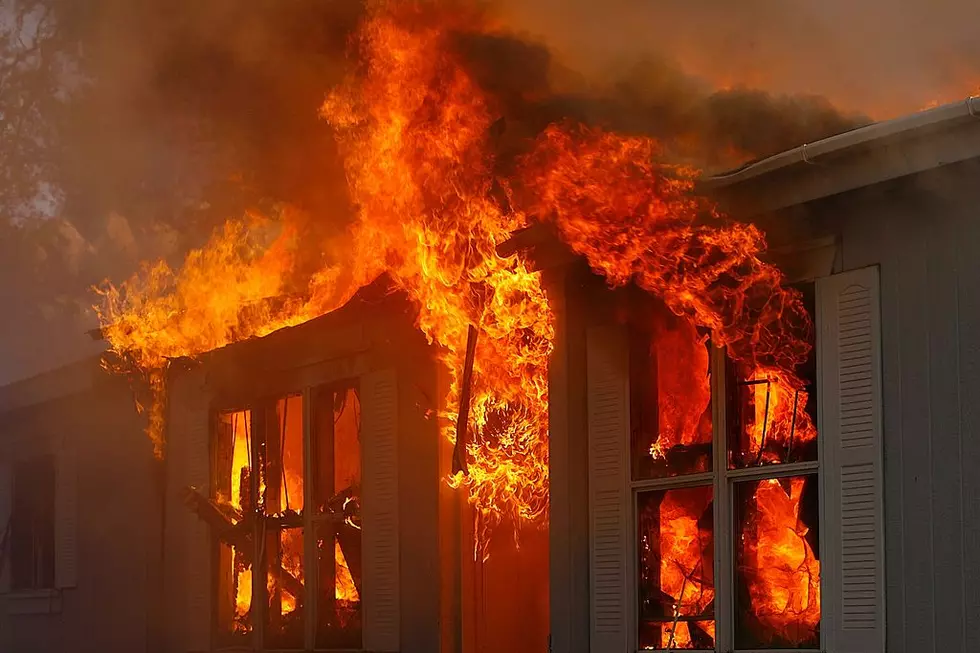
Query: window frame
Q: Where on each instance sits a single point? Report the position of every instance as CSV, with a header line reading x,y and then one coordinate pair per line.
x,y
51,562
722,480
256,637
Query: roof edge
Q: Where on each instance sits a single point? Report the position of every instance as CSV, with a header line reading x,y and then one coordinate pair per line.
x,y
809,153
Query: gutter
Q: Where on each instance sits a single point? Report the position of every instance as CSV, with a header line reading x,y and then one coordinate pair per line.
x,y
869,137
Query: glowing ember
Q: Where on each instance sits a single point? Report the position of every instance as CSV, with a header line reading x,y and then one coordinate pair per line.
x,y
413,129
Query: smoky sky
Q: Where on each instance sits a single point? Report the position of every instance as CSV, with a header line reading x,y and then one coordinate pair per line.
x,y
187,113
883,57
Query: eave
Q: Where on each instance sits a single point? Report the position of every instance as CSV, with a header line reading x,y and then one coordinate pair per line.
x,y
861,157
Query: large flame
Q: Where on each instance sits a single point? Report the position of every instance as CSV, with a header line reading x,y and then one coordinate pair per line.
x,y
413,129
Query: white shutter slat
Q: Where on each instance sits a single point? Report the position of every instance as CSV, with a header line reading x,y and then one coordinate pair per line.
x,y
6,509
379,511
849,394
191,425
66,517
608,410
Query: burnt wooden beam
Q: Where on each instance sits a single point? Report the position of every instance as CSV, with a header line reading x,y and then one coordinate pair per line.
x,y
462,418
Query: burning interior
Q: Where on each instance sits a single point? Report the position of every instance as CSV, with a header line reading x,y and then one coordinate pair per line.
x,y
260,520
776,560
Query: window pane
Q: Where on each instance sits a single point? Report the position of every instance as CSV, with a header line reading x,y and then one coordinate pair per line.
x,y
232,488
281,454
777,563
676,570
339,596
234,593
670,395
337,464
772,418
32,524
284,588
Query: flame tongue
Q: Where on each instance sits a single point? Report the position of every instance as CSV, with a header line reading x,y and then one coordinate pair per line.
x,y
413,129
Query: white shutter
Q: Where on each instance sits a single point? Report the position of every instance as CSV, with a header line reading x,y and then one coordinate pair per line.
x,y
608,409
66,516
191,424
6,509
849,395
379,510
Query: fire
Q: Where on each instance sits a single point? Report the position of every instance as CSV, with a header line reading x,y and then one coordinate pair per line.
x,y
683,386
780,420
414,131
783,578
686,569
344,588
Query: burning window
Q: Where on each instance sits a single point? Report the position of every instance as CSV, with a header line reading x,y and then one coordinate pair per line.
x,y
770,419
670,390
337,464
263,527
777,580
676,569
232,483
772,558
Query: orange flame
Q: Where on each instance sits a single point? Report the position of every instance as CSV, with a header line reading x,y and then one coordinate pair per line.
x,y
784,580
413,128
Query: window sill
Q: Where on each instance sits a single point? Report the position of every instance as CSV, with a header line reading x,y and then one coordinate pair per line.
x,y
46,601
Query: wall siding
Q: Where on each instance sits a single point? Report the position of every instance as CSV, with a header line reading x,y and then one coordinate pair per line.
x,y
924,239
116,529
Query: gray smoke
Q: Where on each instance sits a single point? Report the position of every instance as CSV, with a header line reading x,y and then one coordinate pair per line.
x,y
143,125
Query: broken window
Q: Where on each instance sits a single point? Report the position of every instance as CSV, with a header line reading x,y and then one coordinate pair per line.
x,y
676,568
264,530
777,563
232,482
337,491
32,524
771,419
670,387
770,555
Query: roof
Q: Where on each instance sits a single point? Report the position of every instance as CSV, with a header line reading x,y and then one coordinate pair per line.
x,y
860,157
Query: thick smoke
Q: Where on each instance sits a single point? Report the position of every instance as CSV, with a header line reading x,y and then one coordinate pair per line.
x,y
879,57
164,118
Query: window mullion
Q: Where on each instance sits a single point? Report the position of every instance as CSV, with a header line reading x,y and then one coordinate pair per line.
x,y
310,562
723,577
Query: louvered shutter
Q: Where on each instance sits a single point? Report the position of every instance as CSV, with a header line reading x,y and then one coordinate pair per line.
x,y
6,508
191,426
608,410
66,516
849,394
379,510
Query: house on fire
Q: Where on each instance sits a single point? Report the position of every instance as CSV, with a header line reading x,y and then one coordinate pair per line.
x,y
302,504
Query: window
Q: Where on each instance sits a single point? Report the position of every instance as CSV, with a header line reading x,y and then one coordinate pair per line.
x,y
720,519
32,525
295,523
773,556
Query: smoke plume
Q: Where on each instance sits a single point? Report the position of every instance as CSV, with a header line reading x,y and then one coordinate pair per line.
x,y
164,118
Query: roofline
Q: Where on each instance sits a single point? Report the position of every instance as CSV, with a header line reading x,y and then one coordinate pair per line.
x,y
905,132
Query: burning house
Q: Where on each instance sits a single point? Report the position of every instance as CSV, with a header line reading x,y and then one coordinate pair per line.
x,y
568,400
